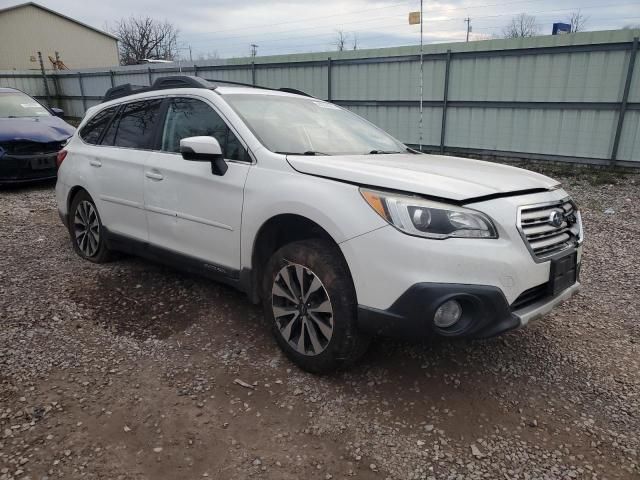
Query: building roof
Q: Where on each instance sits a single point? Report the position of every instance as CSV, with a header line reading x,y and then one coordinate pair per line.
x,y
53,12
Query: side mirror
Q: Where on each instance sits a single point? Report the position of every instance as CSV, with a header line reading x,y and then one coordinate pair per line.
x,y
204,149
57,112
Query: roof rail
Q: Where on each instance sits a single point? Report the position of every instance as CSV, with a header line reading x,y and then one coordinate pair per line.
x,y
283,89
183,81
162,83
240,84
180,81
122,91
296,91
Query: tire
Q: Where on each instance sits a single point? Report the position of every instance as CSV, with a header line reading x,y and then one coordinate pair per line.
x,y
320,334
88,243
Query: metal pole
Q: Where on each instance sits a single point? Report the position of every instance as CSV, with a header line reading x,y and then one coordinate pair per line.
x,y
253,73
150,76
329,79
468,20
56,81
112,77
195,70
44,79
84,99
421,77
445,100
623,103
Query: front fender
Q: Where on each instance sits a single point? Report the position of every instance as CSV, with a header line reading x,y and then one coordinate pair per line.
x,y
335,206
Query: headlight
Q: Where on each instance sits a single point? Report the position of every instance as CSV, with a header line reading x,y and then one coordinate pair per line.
x,y
426,218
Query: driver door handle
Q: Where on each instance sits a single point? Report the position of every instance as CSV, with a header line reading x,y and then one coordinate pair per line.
x,y
154,176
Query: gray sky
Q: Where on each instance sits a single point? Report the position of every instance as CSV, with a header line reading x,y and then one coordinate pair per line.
x,y
228,27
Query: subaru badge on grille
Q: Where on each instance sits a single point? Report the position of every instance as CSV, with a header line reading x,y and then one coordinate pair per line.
x,y
556,218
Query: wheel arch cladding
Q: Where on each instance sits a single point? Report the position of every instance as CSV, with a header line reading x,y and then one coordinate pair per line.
x,y
72,194
276,232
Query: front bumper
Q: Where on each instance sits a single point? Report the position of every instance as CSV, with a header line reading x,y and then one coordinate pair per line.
x,y
400,280
18,169
486,312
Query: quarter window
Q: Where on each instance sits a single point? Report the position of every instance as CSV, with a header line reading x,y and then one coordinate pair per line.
x,y
188,117
135,126
92,131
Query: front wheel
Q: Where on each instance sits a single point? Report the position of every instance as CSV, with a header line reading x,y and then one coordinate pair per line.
x,y
85,229
309,300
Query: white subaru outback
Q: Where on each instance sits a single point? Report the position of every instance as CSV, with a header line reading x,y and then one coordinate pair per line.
x,y
338,229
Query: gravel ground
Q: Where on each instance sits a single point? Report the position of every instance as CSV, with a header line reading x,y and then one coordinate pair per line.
x,y
130,370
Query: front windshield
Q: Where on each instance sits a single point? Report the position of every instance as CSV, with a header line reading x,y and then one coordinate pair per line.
x,y
19,105
297,125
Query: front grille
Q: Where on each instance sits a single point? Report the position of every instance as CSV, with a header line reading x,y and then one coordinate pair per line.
x,y
30,148
550,227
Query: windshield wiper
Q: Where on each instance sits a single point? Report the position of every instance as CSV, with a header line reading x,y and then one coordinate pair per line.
x,y
382,152
308,153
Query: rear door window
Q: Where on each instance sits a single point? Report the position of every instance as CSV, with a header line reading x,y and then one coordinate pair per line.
x,y
136,125
189,117
92,131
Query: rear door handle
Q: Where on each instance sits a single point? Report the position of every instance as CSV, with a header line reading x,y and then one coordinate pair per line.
x,y
153,176
95,163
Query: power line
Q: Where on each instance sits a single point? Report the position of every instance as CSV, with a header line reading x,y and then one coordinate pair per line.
x,y
360,11
309,18
403,24
439,20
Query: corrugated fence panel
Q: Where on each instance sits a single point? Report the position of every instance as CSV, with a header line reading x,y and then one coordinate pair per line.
x,y
69,85
141,78
399,122
97,86
572,133
630,139
33,84
574,77
387,81
309,79
242,75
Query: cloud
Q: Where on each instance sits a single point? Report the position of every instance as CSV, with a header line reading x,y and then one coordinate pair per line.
x,y
287,26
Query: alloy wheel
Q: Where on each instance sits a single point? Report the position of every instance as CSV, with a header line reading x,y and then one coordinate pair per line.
x,y
86,227
302,309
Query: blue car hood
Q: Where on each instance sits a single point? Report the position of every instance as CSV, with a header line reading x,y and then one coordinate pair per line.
x,y
35,129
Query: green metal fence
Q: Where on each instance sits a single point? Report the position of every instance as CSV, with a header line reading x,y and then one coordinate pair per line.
x,y
572,98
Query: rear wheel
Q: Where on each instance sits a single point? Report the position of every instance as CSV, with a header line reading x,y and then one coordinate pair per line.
x,y
85,228
309,299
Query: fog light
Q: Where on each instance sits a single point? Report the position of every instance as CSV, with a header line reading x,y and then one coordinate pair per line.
x,y
447,314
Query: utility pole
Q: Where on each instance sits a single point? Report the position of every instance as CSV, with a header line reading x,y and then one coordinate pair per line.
x,y
190,54
468,20
44,79
254,49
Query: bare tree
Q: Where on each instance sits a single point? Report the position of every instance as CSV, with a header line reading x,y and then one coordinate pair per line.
x,y
578,21
356,42
144,37
210,55
341,41
522,25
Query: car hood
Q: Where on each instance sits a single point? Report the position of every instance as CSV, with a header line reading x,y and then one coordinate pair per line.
x,y
451,178
35,129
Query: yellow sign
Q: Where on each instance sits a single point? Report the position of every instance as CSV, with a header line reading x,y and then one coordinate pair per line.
x,y
414,18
